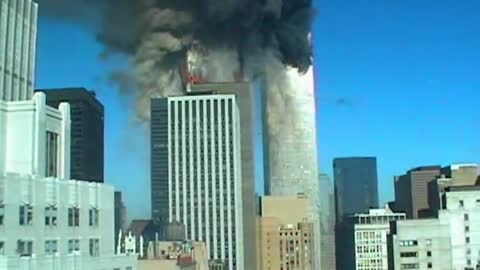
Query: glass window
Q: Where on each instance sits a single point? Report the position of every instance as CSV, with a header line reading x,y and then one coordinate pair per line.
x,y
25,248
26,215
51,216
73,245
2,248
93,215
2,213
94,247
51,159
73,217
51,247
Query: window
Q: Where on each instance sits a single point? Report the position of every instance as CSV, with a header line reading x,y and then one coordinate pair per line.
x,y
429,254
26,215
429,265
2,213
51,247
94,247
25,248
428,242
408,254
73,217
73,245
460,203
93,215
50,216
2,248
467,240
51,163
409,266
467,229
465,217
408,243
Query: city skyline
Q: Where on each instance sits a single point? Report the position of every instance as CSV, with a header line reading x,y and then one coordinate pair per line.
x,y
346,106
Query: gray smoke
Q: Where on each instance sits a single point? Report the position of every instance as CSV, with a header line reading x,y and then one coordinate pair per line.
x,y
257,36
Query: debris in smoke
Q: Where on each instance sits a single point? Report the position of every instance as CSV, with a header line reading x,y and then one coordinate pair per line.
x,y
156,34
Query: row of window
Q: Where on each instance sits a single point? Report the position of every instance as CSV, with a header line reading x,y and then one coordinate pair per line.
x,y
51,214
25,247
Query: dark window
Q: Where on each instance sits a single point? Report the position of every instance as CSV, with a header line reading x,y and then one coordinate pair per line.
x,y
51,169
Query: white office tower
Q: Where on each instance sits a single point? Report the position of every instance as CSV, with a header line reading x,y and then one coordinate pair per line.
x,y
450,242
201,134
18,35
292,145
47,221
370,238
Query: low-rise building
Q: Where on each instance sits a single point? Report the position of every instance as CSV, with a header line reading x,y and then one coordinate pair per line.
x,y
452,241
48,221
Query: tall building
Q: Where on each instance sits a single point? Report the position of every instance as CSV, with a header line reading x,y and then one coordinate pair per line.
x,y
356,185
285,235
48,221
327,222
87,131
449,242
18,38
411,191
202,170
363,243
290,145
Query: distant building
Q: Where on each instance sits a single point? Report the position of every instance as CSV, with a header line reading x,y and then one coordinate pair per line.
x,y
411,191
449,242
18,39
120,212
202,169
356,185
285,234
48,221
363,241
327,223
87,131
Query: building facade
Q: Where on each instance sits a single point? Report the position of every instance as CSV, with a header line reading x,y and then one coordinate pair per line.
x,y
449,242
46,220
356,185
327,222
18,38
370,232
411,191
197,172
120,215
285,236
87,131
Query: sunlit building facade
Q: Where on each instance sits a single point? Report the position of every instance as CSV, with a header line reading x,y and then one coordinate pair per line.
x,y
18,37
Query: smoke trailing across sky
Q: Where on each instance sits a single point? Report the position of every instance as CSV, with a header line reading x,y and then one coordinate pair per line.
x,y
255,36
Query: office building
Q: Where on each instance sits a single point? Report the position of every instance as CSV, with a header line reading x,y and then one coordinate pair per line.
x,y
87,131
327,222
449,242
48,221
411,191
356,185
285,234
18,38
290,144
199,144
363,242
420,244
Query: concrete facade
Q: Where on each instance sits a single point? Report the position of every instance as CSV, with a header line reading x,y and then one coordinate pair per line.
x,y
285,235
18,38
48,221
205,140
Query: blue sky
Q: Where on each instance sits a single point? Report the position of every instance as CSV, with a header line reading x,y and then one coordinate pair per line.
x,y
395,79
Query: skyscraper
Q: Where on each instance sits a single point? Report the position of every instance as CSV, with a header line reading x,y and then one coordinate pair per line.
x,y
87,131
356,185
411,191
202,170
18,36
327,222
290,152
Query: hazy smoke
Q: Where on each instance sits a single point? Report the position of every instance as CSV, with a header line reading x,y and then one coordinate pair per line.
x,y
256,36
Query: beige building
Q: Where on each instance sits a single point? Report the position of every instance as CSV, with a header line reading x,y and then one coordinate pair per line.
x,y
285,235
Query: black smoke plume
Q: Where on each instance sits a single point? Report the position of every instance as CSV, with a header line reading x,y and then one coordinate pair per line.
x,y
155,35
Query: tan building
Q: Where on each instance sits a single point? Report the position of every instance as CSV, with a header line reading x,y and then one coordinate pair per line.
x,y
184,255
285,235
